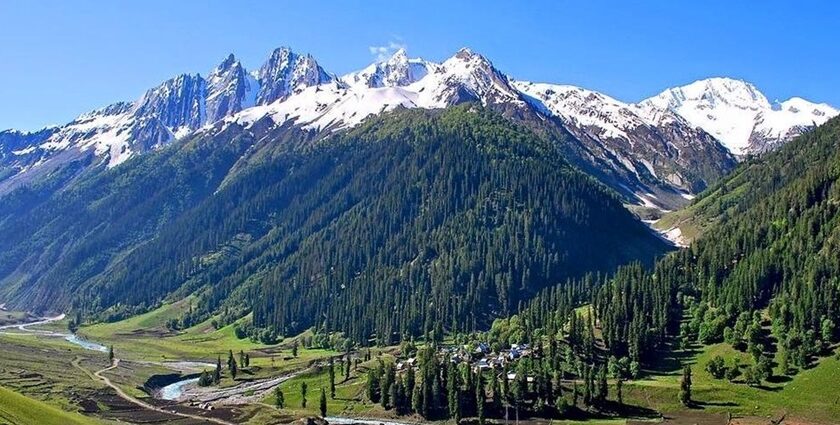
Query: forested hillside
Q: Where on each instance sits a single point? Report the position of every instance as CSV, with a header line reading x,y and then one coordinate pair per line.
x,y
770,261
56,237
374,231
371,231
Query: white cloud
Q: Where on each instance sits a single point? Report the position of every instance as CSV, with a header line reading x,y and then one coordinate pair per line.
x,y
382,53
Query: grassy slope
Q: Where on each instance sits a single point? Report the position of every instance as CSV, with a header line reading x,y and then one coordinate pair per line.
x,y
20,410
804,396
702,214
145,337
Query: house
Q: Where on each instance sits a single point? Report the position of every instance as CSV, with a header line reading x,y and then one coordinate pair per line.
x,y
482,364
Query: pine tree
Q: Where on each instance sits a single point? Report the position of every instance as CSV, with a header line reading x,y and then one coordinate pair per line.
x,y
232,367
347,368
373,386
452,391
111,353
295,349
417,400
603,389
331,372
498,402
279,399
323,403
303,388
480,398
619,384
685,386
393,395
217,374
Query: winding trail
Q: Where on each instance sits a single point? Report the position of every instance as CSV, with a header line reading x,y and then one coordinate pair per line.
x,y
97,376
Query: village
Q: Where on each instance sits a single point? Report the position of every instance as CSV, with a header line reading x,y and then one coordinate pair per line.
x,y
479,356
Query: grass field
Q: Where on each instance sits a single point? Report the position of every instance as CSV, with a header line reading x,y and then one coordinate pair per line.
x,y
145,337
349,393
36,369
18,409
804,396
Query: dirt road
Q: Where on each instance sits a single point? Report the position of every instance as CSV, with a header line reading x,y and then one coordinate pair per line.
x,y
114,364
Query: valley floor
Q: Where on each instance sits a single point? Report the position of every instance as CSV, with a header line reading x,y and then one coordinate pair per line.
x,y
71,385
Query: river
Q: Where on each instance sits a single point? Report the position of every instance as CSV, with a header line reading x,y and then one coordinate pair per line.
x,y
174,391
23,329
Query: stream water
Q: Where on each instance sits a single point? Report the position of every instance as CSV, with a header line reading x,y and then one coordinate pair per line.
x,y
173,392
23,329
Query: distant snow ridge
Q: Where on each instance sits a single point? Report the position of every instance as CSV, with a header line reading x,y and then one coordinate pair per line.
x,y
397,71
175,109
738,114
384,86
671,139
647,149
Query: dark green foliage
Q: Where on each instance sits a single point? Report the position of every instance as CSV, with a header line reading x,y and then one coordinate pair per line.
x,y
303,389
774,247
205,379
685,386
370,232
331,371
716,367
279,398
323,403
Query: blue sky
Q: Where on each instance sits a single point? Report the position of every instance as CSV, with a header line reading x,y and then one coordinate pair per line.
x,y
61,58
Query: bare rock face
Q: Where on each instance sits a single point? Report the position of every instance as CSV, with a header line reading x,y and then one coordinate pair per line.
x,y
286,73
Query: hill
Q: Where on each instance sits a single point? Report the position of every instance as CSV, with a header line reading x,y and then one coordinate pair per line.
x,y
418,217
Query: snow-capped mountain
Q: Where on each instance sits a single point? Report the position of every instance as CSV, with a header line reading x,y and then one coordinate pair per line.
x,y
647,149
286,73
174,109
738,114
659,151
397,71
345,102
230,89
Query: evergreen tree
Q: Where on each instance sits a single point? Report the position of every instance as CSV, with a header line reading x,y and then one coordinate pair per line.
x,y
498,398
603,388
480,399
205,379
233,368
217,373
303,388
279,399
685,386
619,395
323,403
453,393
331,371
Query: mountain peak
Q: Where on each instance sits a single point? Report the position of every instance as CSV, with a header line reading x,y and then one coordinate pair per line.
x,y
738,114
715,91
397,71
399,56
286,72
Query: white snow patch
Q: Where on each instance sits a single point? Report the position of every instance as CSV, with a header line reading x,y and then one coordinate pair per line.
x,y
735,112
